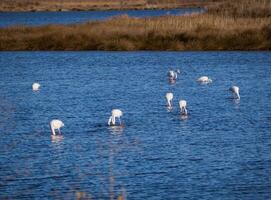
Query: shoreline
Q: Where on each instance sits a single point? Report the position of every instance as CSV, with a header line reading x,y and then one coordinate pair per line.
x,y
96,5
101,10
123,9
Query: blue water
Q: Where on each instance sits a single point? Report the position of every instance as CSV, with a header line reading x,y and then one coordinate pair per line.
x,y
70,17
221,151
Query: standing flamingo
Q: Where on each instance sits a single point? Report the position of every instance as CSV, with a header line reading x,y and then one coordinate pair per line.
x,y
169,97
182,104
235,91
204,80
56,124
115,113
35,86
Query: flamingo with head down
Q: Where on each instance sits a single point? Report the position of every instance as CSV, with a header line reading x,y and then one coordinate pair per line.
x,y
235,91
56,124
115,113
35,86
169,97
204,80
183,104
173,75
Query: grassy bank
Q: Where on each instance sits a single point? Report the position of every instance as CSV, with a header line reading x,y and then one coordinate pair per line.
x,y
218,29
65,5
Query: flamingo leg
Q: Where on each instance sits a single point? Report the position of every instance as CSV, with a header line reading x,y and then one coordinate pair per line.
x,y
52,130
119,121
185,111
59,131
109,121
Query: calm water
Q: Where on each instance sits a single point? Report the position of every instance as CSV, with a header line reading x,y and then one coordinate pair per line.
x,y
222,151
41,18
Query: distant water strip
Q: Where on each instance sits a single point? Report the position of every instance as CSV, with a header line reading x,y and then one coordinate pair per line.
x,y
71,17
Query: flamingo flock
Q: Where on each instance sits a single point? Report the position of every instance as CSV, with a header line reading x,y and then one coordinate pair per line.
x,y
56,124
172,75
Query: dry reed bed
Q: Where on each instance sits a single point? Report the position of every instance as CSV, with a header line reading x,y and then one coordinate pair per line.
x,y
194,32
242,8
226,30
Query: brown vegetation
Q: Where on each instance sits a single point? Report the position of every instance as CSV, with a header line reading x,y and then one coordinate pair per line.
x,y
209,31
64,5
242,8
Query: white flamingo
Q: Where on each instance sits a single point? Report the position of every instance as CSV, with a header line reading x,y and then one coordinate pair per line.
x,y
115,113
235,91
182,104
173,75
204,80
169,97
56,124
35,86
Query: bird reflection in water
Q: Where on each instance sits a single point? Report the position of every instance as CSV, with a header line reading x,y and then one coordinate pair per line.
x,y
183,117
57,138
171,81
236,103
114,148
115,130
169,108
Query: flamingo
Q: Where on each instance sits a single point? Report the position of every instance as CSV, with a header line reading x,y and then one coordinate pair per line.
x,y
35,86
115,113
56,124
169,97
235,91
172,75
204,80
182,104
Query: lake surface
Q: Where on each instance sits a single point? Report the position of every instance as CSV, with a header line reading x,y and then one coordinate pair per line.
x,y
221,151
70,17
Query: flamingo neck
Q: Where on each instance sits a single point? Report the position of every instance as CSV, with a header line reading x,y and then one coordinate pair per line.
x,y
169,103
238,96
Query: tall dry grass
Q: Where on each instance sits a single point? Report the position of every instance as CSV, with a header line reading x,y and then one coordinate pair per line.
x,y
242,8
208,31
